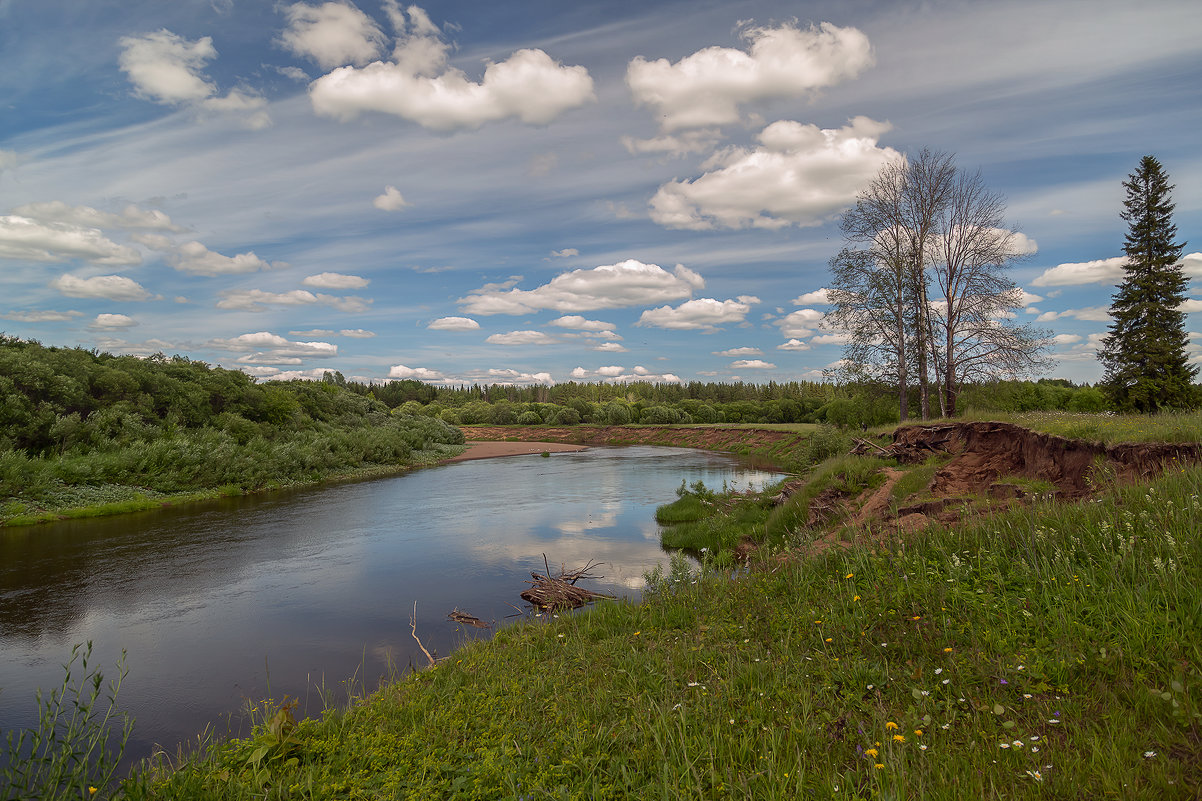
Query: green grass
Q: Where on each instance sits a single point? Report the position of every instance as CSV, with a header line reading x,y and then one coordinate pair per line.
x,y
1107,428
1049,652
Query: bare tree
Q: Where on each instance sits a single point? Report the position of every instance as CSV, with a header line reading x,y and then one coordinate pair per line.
x,y
917,224
972,326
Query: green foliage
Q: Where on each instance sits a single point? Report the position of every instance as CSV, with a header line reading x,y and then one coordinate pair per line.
x,y
1147,367
72,753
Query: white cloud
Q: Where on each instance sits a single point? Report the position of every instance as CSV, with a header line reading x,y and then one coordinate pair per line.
x,y
818,296
130,217
576,322
1105,271
516,377
1190,305
1065,339
801,323
702,314
1026,298
112,322
266,346
195,258
454,324
738,352
707,87
753,364
611,347
418,373
793,344
700,141
837,338
627,283
331,34
26,239
520,338
1092,313
1020,243
166,68
391,200
418,85
335,281
257,299
111,287
356,333
41,316
351,304
800,175
566,253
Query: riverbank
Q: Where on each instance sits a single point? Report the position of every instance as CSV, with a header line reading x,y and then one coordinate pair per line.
x,y
497,448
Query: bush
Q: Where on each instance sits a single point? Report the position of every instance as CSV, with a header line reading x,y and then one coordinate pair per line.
x,y
530,418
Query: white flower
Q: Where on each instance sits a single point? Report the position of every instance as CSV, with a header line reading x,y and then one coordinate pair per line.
x,y
1149,754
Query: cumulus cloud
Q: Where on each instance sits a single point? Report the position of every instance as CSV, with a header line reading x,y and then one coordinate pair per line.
x,y
836,338
615,373
1105,271
110,287
819,296
1092,313
520,338
752,364
417,84
41,316
1190,305
454,324
26,239
738,352
335,281
1065,339
800,174
417,373
257,299
705,314
130,217
576,322
112,322
264,346
391,200
195,258
517,377
707,87
801,323
611,347
793,344
331,34
627,283
168,69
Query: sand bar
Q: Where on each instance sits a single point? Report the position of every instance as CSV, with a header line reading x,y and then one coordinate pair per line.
x,y
489,450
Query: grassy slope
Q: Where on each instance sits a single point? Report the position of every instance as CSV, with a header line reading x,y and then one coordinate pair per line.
x,y
1045,652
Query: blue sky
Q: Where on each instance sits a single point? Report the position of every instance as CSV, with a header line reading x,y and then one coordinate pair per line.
x,y
542,192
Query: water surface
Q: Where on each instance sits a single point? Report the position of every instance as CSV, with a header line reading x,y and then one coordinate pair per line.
x,y
230,601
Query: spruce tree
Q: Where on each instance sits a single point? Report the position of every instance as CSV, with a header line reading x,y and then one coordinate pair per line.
x,y
1144,354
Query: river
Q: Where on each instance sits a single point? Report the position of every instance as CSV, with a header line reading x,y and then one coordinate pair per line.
x,y
227,602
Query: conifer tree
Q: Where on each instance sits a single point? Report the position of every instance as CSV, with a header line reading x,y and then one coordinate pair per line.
x,y
1144,354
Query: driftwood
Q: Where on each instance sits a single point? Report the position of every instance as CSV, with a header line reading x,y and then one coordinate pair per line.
x,y
468,620
551,593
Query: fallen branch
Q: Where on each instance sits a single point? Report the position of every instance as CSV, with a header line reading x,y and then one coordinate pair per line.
x,y
413,628
468,620
551,593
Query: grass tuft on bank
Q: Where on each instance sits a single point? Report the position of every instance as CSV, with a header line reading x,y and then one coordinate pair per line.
x,y
1047,651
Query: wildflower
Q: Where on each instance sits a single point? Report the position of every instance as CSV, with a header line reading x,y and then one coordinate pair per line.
x,y
890,725
1149,754
946,726
918,732
879,766
91,790
938,671
828,639
637,633
1036,775
899,738
1003,745
856,598
922,747
849,575
1017,743
871,752
947,650
917,617
947,681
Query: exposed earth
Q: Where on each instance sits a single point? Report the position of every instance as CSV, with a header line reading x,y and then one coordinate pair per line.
x,y
978,466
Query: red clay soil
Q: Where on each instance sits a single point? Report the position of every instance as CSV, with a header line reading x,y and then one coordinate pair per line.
x,y
714,439
985,451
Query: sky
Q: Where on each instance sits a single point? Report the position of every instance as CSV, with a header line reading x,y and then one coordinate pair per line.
x,y
541,192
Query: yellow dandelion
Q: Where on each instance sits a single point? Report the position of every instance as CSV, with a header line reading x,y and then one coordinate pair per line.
x,y
918,732
849,575
947,650
890,725
637,633
871,752
828,639
879,766
856,598
899,738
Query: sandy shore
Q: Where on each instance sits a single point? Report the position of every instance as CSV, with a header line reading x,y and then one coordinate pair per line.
x,y
489,450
